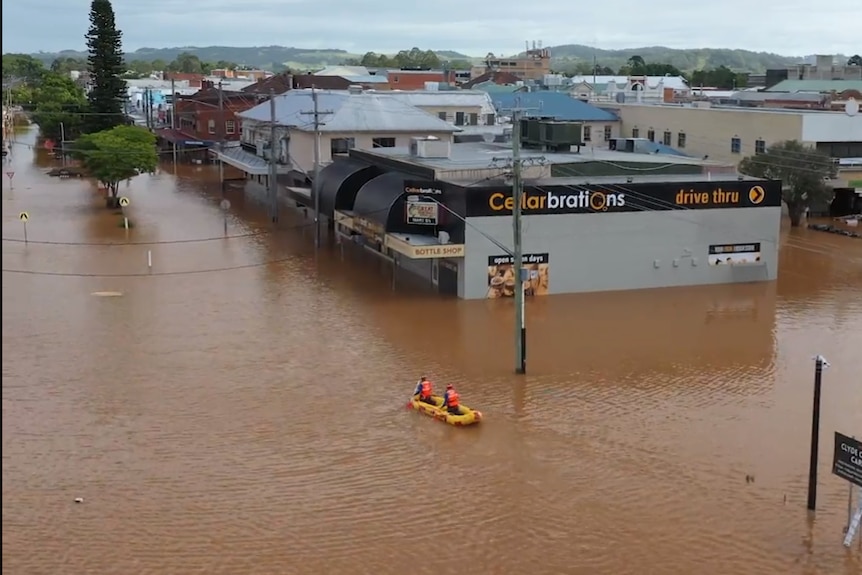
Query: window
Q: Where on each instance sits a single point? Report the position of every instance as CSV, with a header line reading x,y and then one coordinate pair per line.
x,y
608,133
230,127
650,135
588,135
211,126
474,119
759,146
443,116
735,145
680,140
459,118
383,143
666,138
341,145
636,133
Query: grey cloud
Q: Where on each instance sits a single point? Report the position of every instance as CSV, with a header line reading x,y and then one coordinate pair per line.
x,y
474,26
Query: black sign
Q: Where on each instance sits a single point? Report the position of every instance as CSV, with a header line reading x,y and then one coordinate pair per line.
x,y
509,260
847,461
635,197
417,188
734,249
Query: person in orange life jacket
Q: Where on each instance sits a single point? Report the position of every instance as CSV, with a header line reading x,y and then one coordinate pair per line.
x,y
451,400
424,390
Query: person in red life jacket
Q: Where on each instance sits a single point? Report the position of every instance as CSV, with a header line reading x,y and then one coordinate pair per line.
x,y
451,400
424,390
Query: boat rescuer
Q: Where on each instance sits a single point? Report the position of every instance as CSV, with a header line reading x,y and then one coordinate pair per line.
x,y
451,400
424,390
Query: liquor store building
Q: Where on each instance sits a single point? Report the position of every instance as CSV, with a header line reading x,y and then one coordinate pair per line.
x,y
579,235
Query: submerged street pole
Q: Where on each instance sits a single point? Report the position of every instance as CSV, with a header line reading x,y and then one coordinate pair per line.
x,y
221,133
174,123
316,112
819,365
518,256
273,172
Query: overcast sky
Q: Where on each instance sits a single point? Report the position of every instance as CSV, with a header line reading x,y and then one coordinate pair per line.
x,y
474,27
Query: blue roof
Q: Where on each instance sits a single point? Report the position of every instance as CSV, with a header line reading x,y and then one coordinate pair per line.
x,y
557,105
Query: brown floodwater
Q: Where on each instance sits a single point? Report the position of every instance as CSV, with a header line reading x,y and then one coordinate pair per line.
x,y
252,420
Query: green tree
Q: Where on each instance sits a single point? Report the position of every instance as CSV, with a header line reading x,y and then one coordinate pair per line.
x,y
22,67
108,94
58,106
853,61
459,65
186,63
67,65
722,78
802,169
637,65
118,154
158,65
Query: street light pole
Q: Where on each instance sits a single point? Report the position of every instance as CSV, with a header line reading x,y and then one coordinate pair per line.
x,y
820,364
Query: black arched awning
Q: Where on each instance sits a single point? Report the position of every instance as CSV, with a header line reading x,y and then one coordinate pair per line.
x,y
376,198
339,183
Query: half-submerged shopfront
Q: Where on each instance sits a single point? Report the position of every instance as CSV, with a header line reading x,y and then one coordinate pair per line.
x,y
578,235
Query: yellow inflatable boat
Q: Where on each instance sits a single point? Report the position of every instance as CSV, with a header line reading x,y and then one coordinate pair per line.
x,y
467,417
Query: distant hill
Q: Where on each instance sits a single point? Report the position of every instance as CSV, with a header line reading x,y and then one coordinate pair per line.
x,y
563,57
265,57
688,59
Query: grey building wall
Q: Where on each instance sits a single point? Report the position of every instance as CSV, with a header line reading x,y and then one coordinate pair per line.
x,y
598,252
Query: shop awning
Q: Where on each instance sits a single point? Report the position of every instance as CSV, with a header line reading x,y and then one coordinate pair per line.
x,y
340,182
375,199
245,161
178,137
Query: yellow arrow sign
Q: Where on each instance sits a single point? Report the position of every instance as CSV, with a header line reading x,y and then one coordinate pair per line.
x,y
24,216
756,195
124,202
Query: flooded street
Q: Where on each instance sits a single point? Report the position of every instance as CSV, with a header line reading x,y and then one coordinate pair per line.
x,y
240,408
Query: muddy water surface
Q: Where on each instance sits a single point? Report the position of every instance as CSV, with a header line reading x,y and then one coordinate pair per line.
x,y
251,420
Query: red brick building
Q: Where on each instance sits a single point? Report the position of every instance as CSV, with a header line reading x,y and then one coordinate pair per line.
x,y
200,124
199,115
415,79
194,80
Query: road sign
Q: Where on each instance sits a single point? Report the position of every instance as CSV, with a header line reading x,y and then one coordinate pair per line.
x,y
24,216
124,202
847,459
10,175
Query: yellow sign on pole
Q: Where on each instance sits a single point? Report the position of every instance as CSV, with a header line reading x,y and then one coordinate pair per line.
x,y
124,202
24,217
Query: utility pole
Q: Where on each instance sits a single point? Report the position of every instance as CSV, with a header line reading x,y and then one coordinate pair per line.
x,y
221,136
820,364
315,183
174,122
516,164
273,171
518,256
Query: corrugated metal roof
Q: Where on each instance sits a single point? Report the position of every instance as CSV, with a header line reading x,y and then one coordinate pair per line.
x,y
558,105
343,71
675,82
445,99
366,112
818,86
366,79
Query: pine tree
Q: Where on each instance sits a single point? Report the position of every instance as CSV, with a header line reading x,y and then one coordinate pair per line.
x,y
108,93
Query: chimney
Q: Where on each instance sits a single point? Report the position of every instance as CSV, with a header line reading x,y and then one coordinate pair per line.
x,y
207,84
